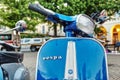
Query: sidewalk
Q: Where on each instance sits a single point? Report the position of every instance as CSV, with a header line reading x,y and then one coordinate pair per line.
x,y
113,60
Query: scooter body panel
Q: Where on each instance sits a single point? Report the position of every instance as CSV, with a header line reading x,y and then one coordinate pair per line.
x,y
66,18
16,71
71,59
1,74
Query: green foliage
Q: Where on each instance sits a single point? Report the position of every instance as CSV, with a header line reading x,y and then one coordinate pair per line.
x,y
97,30
14,10
81,6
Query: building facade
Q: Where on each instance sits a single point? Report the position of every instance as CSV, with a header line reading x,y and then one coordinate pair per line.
x,y
45,28
111,29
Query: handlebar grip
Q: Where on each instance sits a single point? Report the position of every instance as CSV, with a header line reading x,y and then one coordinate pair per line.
x,y
40,9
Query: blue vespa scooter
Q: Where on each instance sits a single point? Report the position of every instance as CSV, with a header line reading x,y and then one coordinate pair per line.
x,y
71,57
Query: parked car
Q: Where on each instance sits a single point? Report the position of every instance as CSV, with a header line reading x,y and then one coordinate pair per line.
x,y
32,44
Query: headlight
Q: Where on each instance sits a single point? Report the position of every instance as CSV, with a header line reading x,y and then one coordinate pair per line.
x,y
85,24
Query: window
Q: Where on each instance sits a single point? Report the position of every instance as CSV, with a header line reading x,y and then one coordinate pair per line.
x,y
27,40
37,40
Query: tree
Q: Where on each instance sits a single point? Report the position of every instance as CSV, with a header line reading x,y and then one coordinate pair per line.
x,y
15,10
74,7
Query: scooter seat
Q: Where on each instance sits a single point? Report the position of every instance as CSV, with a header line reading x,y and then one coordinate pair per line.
x,y
11,57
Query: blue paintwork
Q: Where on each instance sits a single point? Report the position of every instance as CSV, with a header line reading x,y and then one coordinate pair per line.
x,y
1,74
65,17
69,20
90,54
69,23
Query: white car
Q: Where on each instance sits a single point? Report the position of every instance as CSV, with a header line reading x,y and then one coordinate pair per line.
x,y
32,44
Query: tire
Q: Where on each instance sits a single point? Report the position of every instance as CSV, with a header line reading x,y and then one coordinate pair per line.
x,y
33,48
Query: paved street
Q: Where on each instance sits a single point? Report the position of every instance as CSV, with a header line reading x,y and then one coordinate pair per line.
x,y
113,64
30,62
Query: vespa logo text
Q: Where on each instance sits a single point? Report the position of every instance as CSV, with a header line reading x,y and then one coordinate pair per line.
x,y
52,58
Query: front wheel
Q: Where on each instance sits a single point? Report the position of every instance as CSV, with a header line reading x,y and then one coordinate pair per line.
x,y
33,48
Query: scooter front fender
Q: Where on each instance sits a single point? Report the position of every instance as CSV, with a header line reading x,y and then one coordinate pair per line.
x,y
72,59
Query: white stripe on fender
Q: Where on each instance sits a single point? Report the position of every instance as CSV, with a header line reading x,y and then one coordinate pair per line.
x,y
71,66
